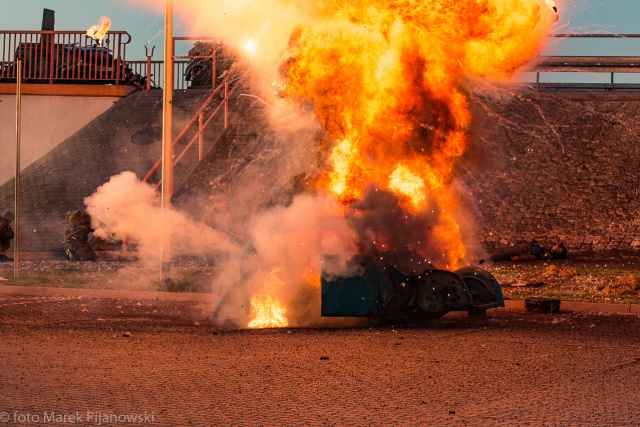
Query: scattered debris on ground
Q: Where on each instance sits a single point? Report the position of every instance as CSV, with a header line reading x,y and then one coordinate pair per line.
x,y
584,280
628,285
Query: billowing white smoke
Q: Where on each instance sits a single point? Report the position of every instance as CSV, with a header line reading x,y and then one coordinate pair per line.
x,y
293,238
127,208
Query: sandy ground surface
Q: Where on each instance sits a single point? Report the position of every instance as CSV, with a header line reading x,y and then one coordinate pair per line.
x,y
80,361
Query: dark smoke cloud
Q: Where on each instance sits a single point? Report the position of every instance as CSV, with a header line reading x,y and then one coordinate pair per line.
x,y
379,217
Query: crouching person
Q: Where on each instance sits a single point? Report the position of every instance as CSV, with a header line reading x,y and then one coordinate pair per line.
x,y
77,236
530,251
6,234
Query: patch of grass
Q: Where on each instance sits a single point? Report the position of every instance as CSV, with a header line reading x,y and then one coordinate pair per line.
x,y
109,274
570,280
182,285
63,279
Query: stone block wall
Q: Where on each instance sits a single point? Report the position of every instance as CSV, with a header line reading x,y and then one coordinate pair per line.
x,y
553,169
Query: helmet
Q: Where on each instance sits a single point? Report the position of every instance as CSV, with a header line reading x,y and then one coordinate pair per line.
x,y
559,251
535,248
9,216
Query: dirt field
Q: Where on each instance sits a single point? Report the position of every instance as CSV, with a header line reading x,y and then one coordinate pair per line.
x,y
83,361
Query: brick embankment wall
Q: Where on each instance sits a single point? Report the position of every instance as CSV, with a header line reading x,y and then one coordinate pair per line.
x,y
554,169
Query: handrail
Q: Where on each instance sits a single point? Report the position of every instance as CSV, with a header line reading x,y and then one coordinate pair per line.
x,y
620,64
586,64
603,35
202,124
68,56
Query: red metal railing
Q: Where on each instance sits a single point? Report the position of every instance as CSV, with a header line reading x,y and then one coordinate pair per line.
x,y
203,118
63,56
154,70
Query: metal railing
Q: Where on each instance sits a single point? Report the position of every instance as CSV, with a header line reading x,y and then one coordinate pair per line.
x,y
154,70
203,117
154,73
596,64
63,56
73,57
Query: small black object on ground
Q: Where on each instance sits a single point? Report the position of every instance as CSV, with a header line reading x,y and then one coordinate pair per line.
x,y
542,305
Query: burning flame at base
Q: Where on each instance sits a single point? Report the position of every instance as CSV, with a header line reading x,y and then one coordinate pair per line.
x,y
268,310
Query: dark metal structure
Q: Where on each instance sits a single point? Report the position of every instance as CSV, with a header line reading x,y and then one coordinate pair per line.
x,y
404,287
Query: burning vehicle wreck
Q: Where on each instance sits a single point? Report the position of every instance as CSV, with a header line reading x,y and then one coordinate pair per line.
x,y
394,287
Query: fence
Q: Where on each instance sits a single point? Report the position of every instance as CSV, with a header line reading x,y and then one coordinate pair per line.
x,y
55,57
602,72
63,56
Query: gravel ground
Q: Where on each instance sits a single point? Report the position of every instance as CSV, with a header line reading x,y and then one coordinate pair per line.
x,y
92,358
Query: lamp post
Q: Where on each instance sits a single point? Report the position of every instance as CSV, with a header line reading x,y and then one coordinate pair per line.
x,y
167,139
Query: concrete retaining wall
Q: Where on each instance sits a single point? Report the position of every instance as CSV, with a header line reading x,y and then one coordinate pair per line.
x,y
46,122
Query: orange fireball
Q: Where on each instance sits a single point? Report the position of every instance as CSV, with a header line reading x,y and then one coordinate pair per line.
x,y
387,80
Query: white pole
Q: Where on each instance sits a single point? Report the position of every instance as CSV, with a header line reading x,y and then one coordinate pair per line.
x,y
167,139
16,227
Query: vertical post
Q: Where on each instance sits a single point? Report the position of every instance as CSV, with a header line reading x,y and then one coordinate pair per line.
x,y
167,149
16,224
200,137
537,81
124,246
214,46
48,42
146,52
226,102
51,57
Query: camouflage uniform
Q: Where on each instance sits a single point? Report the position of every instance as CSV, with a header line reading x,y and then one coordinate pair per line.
x,y
6,233
522,252
77,236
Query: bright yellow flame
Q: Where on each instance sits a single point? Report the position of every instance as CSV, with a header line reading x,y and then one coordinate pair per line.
x,y
406,182
341,156
97,32
267,309
251,47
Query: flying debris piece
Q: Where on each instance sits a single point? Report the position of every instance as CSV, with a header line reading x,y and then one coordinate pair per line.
x,y
552,5
97,32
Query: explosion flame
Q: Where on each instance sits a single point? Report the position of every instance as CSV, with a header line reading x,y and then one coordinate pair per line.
x,y
388,83
267,309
